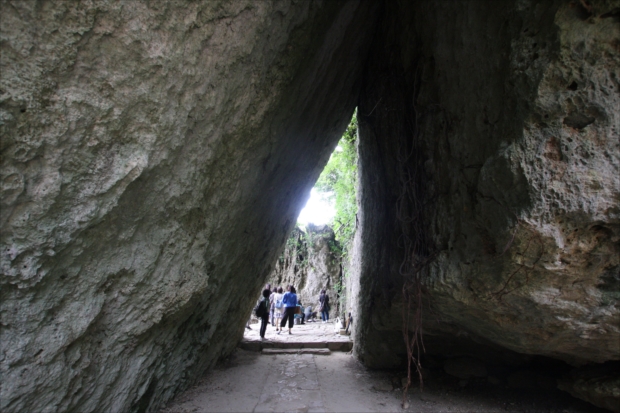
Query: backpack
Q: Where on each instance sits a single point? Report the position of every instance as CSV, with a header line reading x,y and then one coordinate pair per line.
x,y
279,302
261,309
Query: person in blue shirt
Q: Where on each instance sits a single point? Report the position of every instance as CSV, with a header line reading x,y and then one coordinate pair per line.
x,y
289,301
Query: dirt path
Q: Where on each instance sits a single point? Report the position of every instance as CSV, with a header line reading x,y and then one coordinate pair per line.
x,y
278,383
251,382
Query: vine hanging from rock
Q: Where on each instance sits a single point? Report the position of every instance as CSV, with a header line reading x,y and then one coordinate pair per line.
x,y
415,245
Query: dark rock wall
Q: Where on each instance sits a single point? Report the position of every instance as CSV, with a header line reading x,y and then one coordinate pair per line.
x,y
383,118
507,112
155,156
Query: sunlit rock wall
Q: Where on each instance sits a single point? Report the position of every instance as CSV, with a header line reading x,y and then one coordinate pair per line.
x,y
155,156
311,262
506,116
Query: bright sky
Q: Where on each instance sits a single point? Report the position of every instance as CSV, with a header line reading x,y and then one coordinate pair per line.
x,y
317,210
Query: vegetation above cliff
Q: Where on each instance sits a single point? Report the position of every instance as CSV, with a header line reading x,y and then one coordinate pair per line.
x,y
337,183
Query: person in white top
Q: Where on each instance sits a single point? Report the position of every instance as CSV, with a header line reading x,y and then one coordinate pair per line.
x,y
278,307
272,318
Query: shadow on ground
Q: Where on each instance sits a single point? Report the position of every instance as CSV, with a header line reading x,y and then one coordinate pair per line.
x,y
254,382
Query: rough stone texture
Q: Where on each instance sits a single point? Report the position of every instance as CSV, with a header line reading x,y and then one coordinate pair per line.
x,y
154,158
598,385
311,262
510,111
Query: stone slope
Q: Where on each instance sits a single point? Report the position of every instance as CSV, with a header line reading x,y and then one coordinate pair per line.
x,y
154,158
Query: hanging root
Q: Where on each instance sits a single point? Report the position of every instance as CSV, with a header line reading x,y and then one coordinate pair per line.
x,y
416,249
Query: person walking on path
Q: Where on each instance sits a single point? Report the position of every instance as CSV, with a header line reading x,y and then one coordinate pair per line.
x,y
324,305
289,301
272,307
268,287
278,307
263,312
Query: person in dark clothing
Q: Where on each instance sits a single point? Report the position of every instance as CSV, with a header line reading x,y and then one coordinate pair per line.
x,y
324,306
268,287
289,300
247,325
264,318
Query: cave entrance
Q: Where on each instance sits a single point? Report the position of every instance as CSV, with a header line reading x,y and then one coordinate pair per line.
x,y
316,251
327,225
333,199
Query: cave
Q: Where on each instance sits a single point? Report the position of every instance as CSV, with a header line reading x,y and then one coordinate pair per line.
x,y
155,156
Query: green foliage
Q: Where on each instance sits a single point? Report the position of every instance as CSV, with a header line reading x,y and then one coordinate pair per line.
x,y
307,236
297,248
334,247
338,181
292,241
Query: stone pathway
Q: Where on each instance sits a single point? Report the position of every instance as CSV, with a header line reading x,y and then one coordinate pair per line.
x,y
311,370
286,383
256,382
311,335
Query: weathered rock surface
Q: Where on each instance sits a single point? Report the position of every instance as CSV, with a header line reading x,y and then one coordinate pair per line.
x,y
155,156
311,262
599,385
505,116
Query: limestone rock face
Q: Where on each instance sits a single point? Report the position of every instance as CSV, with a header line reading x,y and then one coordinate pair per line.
x,y
311,262
599,385
155,156
505,128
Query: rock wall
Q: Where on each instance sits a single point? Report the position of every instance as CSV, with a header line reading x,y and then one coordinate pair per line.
x,y
597,384
503,118
311,262
155,156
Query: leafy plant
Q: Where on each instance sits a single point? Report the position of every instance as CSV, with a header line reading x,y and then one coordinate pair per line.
x,y
334,248
338,183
